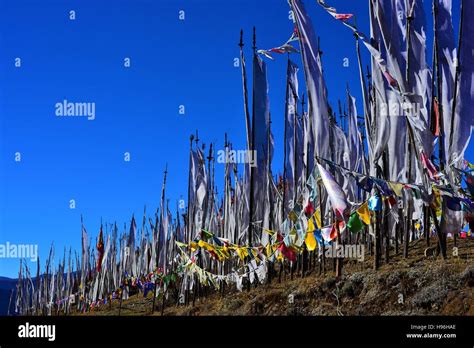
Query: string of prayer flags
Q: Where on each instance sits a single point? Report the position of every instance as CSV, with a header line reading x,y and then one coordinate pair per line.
x,y
383,187
365,183
332,12
285,48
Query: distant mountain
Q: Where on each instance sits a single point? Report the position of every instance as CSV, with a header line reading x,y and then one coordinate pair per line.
x,y
6,285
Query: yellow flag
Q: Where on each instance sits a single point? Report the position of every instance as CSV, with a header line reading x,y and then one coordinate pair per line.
x,y
317,217
311,227
310,241
240,252
270,232
364,214
182,245
292,215
436,203
194,246
396,187
225,252
209,247
269,249
254,252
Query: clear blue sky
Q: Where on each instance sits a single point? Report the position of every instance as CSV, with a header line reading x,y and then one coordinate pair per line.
x,y
173,63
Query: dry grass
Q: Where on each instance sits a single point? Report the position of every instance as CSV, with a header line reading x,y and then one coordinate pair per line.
x,y
417,285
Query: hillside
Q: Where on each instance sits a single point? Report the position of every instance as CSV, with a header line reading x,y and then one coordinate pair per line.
x,y
6,285
418,285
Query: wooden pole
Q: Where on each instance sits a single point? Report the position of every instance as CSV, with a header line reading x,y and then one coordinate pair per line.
x,y
410,144
121,298
339,261
385,213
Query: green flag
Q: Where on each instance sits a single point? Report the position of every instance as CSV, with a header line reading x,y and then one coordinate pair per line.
x,y
355,224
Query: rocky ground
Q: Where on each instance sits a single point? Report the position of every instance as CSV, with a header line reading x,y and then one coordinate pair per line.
x,y
418,285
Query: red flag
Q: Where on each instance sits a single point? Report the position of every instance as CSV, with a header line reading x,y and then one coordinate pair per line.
x,y
390,79
343,16
100,250
434,124
429,166
333,234
309,210
391,202
285,251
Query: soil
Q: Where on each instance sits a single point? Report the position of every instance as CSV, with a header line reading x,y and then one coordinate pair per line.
x,y
417,285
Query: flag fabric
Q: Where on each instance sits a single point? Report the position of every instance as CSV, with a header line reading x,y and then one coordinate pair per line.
x,y
291,129
354,139
308,142
287,252
199,192
329,233
417,102
429,166
85,258
463,122
375,203
355,223
396,187
285,48
335,193
332,11
310,241
315,83
100,250
262,142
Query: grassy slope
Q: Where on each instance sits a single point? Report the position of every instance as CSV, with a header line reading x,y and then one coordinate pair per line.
x,y
428,285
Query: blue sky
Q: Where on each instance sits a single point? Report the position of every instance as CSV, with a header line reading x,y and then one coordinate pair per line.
x,y
173,62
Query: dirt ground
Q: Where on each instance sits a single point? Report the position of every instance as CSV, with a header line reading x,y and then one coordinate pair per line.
x,y
417,285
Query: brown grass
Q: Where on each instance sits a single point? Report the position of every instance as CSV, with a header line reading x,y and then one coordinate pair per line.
x,y
429,286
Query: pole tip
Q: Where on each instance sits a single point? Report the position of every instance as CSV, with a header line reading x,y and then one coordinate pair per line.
x,y
254,38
